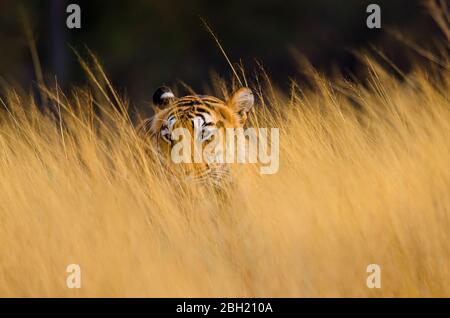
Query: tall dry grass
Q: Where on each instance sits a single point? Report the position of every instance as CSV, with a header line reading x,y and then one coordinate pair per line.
x,y
364,179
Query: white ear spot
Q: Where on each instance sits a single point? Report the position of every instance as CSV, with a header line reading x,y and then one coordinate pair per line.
x,y
167,95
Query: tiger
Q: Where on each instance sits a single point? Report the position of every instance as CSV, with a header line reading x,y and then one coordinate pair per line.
x,y
203,114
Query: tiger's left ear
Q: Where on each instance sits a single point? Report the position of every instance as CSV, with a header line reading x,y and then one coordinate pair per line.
x,y
241,102
162,97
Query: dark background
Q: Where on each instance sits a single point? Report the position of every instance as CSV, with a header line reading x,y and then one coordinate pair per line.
x,y
144,44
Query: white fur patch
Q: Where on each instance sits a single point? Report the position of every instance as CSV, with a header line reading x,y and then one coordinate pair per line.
x,y
167,95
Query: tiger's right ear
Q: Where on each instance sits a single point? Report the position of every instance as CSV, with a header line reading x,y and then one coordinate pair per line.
x,y
162,97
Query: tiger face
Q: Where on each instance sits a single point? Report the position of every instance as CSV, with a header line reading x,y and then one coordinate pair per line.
x,y
206,119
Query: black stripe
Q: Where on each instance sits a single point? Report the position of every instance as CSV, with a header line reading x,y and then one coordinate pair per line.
x,y
196,101
202,116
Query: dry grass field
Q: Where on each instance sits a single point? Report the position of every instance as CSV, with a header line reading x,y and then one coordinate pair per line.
x,y
364,179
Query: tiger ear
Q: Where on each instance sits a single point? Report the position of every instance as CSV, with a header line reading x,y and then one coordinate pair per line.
x,y
241,102
162,97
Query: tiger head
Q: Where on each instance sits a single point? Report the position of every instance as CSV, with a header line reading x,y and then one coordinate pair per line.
x,y
206,119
